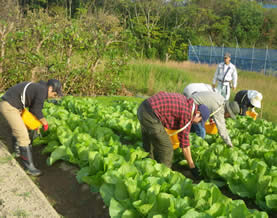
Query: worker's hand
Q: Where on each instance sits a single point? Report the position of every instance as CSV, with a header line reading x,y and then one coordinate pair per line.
x,y
45,127
195,172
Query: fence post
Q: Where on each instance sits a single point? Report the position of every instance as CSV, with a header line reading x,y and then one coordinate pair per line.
x,y
237,46
194,51
199,52
211,49
236,54
252,58
265,60
222,53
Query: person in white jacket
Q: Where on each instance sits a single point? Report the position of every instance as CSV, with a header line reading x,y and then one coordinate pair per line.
x,y
226,76
197,87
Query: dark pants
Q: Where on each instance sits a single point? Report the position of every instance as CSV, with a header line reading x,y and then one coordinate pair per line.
x,y
154,137
198,129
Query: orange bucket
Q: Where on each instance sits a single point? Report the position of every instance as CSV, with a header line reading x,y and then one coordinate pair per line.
x,y
211,128
30,120
252,114
174,138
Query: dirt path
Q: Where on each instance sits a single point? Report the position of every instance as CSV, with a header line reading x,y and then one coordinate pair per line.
x,y
58,185
19,196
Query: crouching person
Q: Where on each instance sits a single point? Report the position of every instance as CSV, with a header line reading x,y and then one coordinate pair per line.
x,y
12,104
172,111
220,110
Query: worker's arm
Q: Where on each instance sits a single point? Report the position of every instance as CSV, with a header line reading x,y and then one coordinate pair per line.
x,y
235,79
187,155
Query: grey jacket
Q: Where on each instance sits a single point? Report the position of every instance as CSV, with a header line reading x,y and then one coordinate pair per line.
x,y
214,101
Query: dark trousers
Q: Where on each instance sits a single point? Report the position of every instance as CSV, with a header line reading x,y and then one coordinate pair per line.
x,y
154,137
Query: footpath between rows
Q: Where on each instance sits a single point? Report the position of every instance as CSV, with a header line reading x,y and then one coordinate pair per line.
x,y
19,196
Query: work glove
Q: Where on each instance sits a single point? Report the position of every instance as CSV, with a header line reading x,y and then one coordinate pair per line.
x,y
45,127
195,172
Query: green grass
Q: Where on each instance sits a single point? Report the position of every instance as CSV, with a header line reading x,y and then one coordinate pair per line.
x,y
24,195
20,213
149,77
7,159
107,100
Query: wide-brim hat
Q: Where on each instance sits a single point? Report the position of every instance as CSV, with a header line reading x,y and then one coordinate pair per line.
x,y
233,108
255,98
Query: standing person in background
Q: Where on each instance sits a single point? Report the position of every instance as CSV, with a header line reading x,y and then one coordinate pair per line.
x,y
197,87
172,111
225,76
12,106
248,99
220,109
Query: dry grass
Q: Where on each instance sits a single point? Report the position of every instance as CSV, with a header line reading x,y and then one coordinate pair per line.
x,y
199,72
267,85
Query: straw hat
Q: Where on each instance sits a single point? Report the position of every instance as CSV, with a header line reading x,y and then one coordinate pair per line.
x,y
255,98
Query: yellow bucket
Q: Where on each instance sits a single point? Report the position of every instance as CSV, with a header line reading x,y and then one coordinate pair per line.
x,y
174,138
211,128
252,114
30,120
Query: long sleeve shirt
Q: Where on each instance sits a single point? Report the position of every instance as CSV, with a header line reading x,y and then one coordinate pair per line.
x,y
36,94
216,103
231,75
174,111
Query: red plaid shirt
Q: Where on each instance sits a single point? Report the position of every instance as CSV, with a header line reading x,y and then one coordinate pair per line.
x,y
174,111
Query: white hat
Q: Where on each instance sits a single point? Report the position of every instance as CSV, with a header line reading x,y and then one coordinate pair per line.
x,y
255,98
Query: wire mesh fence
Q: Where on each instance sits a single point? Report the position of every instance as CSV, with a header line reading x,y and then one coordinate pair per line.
x,y
269,6
250,59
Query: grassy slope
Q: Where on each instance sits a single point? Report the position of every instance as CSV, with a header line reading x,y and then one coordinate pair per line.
x,y
149,77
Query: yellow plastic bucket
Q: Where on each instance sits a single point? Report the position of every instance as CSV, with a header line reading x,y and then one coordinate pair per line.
x,y
252,114
211,128
174,138
30,120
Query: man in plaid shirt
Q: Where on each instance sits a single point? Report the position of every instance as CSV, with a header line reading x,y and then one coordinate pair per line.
x,y
172,111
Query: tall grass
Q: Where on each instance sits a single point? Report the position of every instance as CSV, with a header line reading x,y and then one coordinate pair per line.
x,y
149,77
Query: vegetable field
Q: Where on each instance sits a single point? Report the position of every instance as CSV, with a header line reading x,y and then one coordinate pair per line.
x,y
102,137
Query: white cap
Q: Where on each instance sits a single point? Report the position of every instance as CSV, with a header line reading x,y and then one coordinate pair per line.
x,y
255,98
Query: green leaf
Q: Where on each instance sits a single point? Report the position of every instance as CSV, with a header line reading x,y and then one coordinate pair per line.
x,y
132,187
120,192
226,170
130,214
81,173
58,154
271,201
116,209
107,192
163,200
141,207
